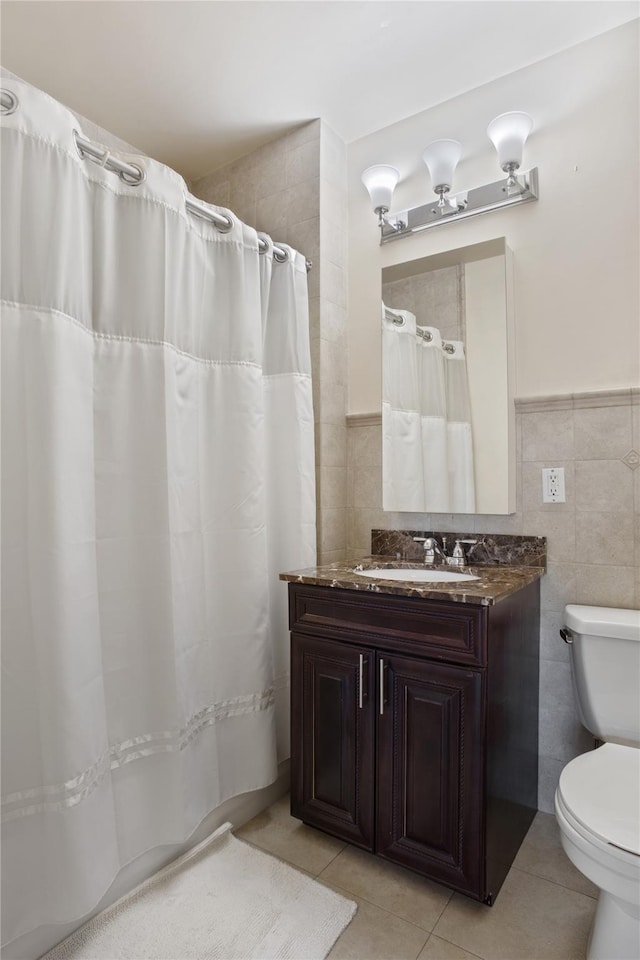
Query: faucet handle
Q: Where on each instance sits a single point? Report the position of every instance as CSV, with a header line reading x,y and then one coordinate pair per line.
x,y
472,546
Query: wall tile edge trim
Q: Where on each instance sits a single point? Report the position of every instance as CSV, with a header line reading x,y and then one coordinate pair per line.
x,y
364,419
629,396
575,401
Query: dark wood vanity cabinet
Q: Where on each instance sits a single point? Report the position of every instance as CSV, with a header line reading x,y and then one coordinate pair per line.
x,y
415,728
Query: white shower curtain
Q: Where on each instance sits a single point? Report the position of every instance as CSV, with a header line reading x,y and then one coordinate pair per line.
x,y
402,480
427,462
157,472
433,422
289,453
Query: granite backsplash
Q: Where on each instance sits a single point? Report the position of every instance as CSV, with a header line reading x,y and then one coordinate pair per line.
x,y
491,548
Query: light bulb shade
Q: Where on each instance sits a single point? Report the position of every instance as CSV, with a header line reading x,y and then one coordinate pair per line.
x,y
380,180
508,134
441,158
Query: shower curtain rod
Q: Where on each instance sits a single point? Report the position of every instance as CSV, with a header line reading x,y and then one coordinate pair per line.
x,y
427,336
133,174
398,320
394,316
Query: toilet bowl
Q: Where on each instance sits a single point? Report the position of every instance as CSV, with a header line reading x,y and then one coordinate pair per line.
x,y
597,811
597,802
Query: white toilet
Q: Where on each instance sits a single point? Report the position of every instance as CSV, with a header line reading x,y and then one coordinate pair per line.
x,y
598,796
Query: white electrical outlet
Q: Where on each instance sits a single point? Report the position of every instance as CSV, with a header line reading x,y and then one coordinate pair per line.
x,y
553,485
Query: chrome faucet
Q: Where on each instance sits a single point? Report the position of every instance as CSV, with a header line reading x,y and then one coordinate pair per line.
x,y
433,548
471,552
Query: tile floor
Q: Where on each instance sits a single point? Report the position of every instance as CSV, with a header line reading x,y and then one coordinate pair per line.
x,y
544,909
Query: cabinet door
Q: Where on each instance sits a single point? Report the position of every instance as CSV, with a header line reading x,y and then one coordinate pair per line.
x,y
332,737
430,770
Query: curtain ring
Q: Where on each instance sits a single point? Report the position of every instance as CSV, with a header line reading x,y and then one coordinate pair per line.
x,y
265,243
128,178
224,227
8,102
396,318
280,255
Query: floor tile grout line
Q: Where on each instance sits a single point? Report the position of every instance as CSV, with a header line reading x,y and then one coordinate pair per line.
x,y
422,947
563,886
283,859
451,894
476,956
444,888
371,903
344,847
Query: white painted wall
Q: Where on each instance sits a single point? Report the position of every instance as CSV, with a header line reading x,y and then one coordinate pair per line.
x,y
576,251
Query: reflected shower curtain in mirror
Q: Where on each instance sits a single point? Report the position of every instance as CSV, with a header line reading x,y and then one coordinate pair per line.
x,y
427,462
402,471
433,421
158,472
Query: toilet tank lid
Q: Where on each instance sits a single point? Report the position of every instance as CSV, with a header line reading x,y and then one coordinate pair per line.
x,y
603,621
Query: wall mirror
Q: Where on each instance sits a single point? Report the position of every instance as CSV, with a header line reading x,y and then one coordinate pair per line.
x,y
448,420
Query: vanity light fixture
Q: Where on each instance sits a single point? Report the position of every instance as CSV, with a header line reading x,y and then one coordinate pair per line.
x,y
380,180
508,133
441,158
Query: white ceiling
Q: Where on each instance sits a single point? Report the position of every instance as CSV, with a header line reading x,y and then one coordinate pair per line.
x,y
196,83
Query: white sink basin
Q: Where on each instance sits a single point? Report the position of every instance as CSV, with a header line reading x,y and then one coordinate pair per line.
x,y
417,576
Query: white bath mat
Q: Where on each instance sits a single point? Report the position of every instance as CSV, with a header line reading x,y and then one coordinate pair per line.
x,y
223,900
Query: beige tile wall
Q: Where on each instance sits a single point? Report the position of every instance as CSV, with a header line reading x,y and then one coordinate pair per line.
x,y
276,190
436,298
330,349
295,189
593,538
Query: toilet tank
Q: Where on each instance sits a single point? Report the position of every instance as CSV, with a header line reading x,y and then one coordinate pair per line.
x,y
605,664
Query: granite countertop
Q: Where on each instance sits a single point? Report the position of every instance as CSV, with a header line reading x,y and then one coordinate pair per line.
x,y
495,583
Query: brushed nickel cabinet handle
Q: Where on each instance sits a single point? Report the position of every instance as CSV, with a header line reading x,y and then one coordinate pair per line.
x,y
360,680
381,687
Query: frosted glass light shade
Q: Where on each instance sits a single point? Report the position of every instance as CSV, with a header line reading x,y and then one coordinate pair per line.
x,y
380,180
508,133
441,158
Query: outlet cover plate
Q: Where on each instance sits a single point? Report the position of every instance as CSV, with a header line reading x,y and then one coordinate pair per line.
x,y
553,485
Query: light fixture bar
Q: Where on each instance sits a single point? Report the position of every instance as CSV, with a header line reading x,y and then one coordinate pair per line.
x,y
491,196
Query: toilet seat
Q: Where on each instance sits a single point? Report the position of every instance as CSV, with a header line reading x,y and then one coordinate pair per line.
x,y
600,792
